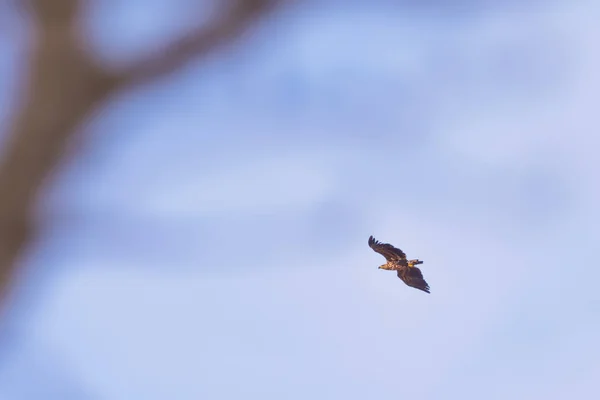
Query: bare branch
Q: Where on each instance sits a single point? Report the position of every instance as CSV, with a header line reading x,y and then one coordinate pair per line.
x,y
64,88
200,41
57,13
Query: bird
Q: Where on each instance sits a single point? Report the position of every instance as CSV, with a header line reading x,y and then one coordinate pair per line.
x,y
396,261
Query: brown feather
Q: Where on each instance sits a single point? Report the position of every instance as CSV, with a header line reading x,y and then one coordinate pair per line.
x,y
390,252
396,260
413,277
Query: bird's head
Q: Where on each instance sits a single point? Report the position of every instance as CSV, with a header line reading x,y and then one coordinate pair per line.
x,y
383,266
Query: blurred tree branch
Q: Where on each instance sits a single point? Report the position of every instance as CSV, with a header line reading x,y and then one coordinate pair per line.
x,y
64,86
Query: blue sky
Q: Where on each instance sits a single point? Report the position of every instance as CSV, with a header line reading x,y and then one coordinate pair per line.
x,y
210,241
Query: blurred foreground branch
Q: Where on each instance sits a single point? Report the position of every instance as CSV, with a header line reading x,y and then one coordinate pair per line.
x,y
64,87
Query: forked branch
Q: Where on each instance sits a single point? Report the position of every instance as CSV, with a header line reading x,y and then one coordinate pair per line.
x,y
63,88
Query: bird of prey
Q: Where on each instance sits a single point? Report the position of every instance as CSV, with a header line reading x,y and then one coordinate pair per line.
x,y
396,261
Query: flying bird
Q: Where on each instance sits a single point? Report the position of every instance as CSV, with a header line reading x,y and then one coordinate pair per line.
x,y
396,261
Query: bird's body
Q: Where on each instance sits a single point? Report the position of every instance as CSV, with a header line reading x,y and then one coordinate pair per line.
x,y
396,261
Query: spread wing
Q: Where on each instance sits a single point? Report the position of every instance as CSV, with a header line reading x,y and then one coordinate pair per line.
x,y
387,250
413,277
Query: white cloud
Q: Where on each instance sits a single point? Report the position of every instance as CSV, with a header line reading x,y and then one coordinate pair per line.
x,y
139,333
264,182
494,128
